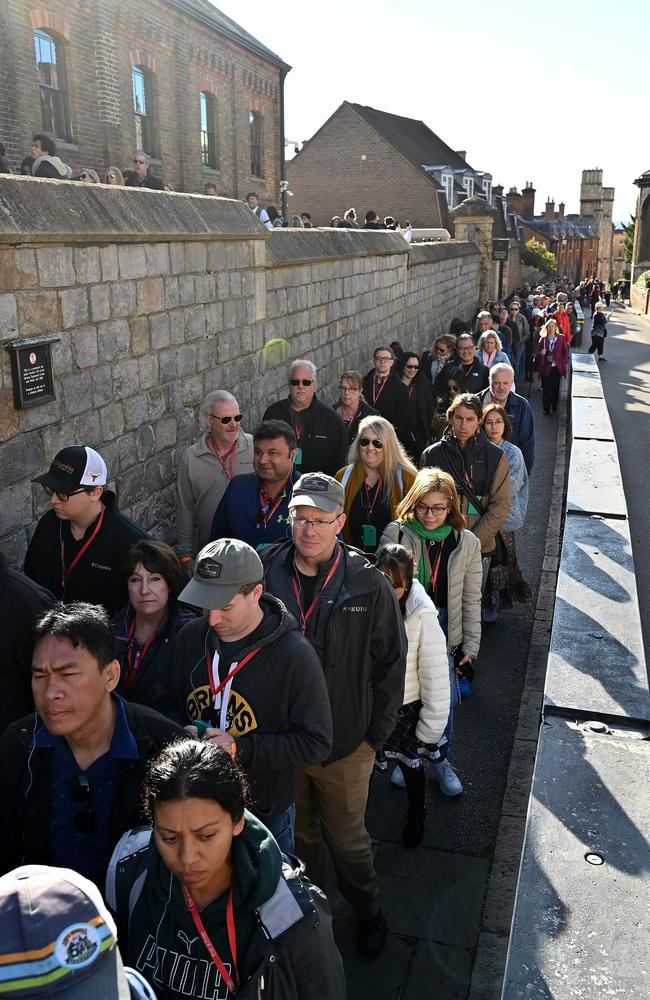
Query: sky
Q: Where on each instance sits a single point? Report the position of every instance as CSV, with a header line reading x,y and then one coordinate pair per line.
x,y
529,99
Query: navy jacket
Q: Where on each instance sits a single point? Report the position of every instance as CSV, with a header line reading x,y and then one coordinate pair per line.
x,y
237,515
523,424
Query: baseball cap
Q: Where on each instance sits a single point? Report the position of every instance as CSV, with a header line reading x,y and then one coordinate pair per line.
x,y
221,569
58,938
73,467
315,489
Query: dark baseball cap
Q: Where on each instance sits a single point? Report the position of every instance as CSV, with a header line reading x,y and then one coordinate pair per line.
x,y
315,489
58,938
73,467
221,569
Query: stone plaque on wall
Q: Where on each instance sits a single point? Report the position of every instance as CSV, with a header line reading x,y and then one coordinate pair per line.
x,y
31,369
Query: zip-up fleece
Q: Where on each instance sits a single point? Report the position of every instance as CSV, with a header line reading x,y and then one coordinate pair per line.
x,y
278,712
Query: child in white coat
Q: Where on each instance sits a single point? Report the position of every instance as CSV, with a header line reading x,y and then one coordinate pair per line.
x,y
423,716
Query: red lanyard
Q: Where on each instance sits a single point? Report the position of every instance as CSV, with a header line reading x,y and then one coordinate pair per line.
x,y
217,688
304,617
227,460
370,505
297,428
134,662
375,393
67,570
433,573
265,502
209,947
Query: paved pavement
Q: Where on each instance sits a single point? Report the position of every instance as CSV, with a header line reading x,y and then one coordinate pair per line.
x,y
433,897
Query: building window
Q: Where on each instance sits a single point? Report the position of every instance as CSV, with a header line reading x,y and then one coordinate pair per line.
x,y
50,62
448,184
143,110
487,188
255,129
468,184
209,149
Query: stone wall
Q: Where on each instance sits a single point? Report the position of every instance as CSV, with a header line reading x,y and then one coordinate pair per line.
x,y
158,298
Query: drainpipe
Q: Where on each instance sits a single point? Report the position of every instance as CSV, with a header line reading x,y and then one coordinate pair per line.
x,y
285,200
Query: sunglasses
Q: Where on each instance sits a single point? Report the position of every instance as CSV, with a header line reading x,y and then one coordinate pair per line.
x,y
140,161
85,821
83,177
63,497
300,381
375,442
226,420
412,366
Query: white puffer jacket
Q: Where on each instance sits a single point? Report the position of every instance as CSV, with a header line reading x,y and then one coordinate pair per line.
x,y
427,665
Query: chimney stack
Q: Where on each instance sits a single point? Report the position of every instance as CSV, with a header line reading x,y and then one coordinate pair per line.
x,y
549,211
513,200
528,201
560,213
462,153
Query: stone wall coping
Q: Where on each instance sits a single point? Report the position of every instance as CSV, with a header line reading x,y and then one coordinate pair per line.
x,y
425,253
39,210
302,246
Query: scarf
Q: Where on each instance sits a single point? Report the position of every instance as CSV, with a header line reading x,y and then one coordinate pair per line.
x,y
427,535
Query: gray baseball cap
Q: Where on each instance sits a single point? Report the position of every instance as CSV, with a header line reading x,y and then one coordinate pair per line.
x,y
315,489
221,569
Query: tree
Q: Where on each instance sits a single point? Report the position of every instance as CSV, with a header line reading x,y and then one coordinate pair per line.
x,y
538,255
628,245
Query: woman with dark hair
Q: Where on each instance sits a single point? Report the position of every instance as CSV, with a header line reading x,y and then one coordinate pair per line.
x,y
422,718
420,393
447,558
205,903
351,405
147,626
454,384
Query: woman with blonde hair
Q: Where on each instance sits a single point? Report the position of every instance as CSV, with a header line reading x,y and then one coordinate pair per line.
x,y
490,349
431,525
552,363
114,177
376,479
351,405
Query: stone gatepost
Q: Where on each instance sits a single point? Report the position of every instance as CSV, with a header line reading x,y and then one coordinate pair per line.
x,y
473,221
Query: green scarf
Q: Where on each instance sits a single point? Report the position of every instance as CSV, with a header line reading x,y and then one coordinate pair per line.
x,y
427,535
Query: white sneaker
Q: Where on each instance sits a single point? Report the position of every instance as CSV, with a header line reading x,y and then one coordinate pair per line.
x,y
447,778
397,778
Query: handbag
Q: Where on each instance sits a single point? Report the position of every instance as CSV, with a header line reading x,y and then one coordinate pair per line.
x,y
500,553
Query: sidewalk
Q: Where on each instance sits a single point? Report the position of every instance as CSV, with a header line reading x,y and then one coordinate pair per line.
x,y
448,923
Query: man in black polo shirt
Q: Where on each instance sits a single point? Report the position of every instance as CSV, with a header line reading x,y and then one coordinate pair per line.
x,y
71,772
79,545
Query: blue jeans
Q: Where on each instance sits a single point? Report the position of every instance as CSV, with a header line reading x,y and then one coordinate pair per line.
x,y
283,827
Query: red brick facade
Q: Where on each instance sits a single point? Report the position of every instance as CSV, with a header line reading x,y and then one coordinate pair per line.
x,y
347,164
182,54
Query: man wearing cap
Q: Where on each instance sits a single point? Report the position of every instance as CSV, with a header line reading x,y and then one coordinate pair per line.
x,y
222,452
252,200
59,939
71,771
79,544
255,507
347,610
322,439
247,672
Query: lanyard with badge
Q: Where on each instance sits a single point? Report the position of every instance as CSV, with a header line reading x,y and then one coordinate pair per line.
x,y
266,506
433,572
368,529
209,947
376,392
297,430
306,615
221,689
67,570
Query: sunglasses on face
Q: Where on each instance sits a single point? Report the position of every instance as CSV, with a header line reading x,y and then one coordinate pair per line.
x,y
300,381
412,366
63,497
83,177
226,420
375,442
140,161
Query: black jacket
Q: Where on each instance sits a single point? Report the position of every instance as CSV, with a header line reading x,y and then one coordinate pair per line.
x,y
148,684
365,410
278,712
323,440
364,645
22,602
151,181
392,403
421,405
478,377
479,459
25,786
95,577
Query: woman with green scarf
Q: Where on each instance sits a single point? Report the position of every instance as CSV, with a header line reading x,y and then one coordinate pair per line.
x,y
448,565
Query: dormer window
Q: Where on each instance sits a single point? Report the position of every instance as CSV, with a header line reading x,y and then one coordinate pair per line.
x,y
448,185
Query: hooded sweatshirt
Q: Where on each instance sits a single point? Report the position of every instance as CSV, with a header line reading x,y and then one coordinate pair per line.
x,y
277,709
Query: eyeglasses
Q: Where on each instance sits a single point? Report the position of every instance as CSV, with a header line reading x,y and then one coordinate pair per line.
x,y
306,522
140,161
349,388
383,357
300,381
412,366
375,442
63,497
85,821
226,420
422,509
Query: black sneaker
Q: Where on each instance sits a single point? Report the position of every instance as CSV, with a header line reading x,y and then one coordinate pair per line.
x,y
372,934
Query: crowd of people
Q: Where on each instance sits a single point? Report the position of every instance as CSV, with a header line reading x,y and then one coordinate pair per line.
x,y
181,725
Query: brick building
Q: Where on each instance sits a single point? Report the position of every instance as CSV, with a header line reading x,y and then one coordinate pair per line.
x,y
175,77
368,159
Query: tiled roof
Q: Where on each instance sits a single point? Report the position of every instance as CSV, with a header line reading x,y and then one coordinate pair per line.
x,y
210,15
414,140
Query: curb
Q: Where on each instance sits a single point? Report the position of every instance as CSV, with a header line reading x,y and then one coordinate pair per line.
x,y
490,957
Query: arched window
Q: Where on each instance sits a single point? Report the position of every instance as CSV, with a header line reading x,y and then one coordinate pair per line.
x,y
255,129
209,144
143,109
50,61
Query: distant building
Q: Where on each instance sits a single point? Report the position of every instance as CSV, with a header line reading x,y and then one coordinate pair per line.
x,y
176,78
372,160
